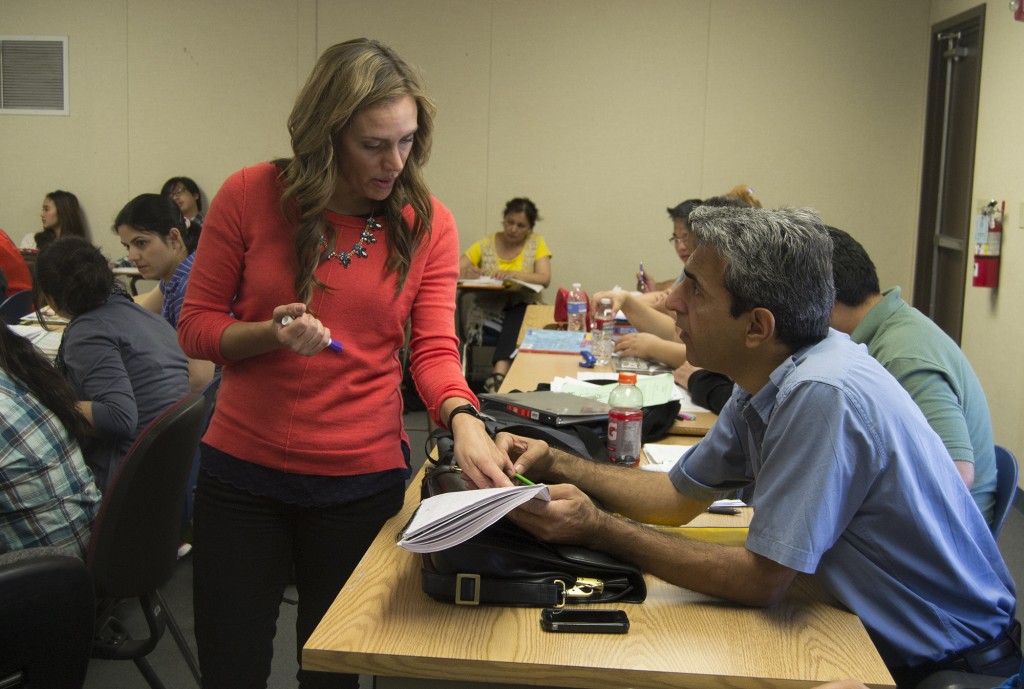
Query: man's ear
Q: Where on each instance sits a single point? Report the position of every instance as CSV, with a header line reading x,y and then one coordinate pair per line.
x,y
760,327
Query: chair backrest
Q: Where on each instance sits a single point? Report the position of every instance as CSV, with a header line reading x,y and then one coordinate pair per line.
x,y
47,613
15,306
135,537
1006,487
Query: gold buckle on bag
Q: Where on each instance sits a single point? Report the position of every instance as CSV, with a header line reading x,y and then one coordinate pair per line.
x,y
583,588
472,581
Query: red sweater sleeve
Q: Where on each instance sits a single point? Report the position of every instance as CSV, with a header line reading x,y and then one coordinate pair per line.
x,y
436,366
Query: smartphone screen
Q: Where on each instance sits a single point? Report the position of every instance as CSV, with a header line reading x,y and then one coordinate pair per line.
x,y
584,621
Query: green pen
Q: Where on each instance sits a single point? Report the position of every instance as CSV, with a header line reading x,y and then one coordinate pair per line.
x,y
524,480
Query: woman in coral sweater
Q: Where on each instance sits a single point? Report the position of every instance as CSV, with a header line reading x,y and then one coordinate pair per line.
x,y
307,271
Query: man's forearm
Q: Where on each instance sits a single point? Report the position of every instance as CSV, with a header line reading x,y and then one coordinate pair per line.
x,y
728,572
648,497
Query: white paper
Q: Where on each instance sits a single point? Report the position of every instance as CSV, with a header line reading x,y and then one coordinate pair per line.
x,y
46,341
445,520
487,281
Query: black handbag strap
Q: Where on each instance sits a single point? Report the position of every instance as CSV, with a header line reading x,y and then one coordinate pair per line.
x,y
472,589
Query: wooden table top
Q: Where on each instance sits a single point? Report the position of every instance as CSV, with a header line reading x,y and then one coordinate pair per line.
x,y
383,624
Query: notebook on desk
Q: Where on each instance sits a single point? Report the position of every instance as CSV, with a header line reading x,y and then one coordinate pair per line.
x,y
544,406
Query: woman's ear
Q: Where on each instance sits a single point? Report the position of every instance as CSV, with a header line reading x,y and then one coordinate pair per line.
x,y
175,236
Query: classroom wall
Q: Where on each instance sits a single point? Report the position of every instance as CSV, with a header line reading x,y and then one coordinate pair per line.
x,y
604,112
993,327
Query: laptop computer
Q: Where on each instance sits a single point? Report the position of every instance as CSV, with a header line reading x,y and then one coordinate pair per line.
x,y
544,406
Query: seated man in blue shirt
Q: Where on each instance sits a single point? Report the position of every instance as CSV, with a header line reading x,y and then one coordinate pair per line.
x,y
923,358
849,481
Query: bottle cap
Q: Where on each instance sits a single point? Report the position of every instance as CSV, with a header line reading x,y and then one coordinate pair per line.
x,y
627,378
606,300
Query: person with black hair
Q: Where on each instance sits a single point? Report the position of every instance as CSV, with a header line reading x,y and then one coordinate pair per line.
x,y
185,193
161,245
924,359
47,493
516,252
656,336
61,216
123,362
680,241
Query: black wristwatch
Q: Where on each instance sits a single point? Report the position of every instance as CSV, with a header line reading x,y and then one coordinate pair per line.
x,y
464,409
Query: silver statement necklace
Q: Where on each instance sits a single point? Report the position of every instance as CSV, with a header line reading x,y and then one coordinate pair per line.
x,y
359,248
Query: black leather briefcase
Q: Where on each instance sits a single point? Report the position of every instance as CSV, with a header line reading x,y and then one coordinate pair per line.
x,y
505,565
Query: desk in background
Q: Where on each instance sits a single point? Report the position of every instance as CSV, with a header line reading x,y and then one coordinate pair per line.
x,y
132,275
383,624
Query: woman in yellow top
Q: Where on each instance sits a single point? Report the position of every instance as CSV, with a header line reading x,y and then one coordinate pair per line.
x,y
514,253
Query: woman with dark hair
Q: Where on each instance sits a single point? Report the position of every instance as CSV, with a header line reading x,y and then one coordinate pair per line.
x,y
185,194
161,245
61,217
123,362
47,493
339,246
514,253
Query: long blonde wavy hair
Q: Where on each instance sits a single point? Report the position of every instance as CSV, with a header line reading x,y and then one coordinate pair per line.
x,y
350,77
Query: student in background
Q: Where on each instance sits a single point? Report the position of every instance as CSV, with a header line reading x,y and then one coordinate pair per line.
x,y
17,275
344,242
123,362
680,238
47,493
185,193
515,252
923,358
161,245
61,217
656,336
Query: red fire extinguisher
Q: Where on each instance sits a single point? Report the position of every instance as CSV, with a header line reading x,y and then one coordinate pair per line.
x,y
988,240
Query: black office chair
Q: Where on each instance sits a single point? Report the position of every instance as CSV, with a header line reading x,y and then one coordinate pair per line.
x,y
15,306
47,611
134,543
1006,488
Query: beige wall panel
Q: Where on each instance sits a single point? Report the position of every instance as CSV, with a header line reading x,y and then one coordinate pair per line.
x,y
821,104
84,152
210,87
596,114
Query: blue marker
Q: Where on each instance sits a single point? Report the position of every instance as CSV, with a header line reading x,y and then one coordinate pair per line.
x,y
332,344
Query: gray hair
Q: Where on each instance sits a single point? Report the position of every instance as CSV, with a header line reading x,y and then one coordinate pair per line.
x,y
780,260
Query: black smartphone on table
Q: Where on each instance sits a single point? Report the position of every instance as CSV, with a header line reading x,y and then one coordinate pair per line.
x,y
584,621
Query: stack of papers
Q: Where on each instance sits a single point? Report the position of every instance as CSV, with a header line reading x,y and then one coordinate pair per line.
x,y
46,341
656,389
485,281
446,520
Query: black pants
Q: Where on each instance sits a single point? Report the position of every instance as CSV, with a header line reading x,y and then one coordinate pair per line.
x,y
246,551
510,326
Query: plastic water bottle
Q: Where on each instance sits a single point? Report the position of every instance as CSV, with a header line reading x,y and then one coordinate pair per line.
x,y
602,341
576,308
625,421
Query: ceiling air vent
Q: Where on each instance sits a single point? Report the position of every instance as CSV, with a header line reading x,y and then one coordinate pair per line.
x,y
33,75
